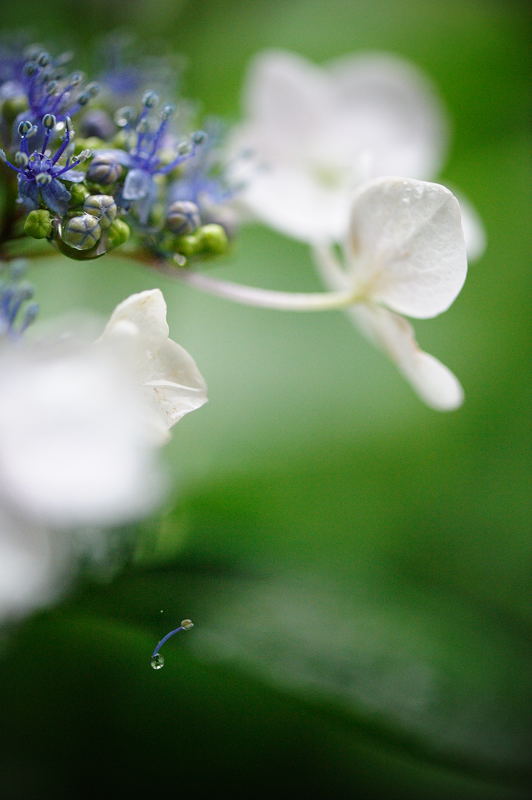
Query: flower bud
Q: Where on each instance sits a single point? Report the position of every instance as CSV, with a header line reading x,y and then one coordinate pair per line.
x,y
117,233
78,194
101,206
81,232
38,224
213,239
189,245
183,217
49,121
104,170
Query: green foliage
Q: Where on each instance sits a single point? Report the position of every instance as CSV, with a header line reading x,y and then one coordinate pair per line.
x,y
356,565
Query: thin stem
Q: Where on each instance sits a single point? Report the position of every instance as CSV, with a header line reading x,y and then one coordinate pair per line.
x,y
267,298
329,267
165,639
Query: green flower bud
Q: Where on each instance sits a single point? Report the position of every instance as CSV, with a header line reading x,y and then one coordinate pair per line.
x,y
78,194
101,206
189,245
117,233
82,232
213,239
38,224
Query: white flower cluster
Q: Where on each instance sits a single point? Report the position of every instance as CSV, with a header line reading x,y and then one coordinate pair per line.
x,y
81,426
342,156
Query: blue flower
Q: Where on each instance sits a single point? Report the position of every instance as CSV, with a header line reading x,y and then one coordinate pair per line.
x,y
14,295
144,157
205,182
40,175
43,82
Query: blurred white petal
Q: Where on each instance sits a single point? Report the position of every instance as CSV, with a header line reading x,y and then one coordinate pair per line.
x,y
317,133
474,232
31,567
393,112
74,449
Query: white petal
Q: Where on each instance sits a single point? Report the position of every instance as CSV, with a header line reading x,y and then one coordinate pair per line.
x,y
432,380
31,568
285,98
291,201
406,245
168,373
74,446
147,311
393,113
474,233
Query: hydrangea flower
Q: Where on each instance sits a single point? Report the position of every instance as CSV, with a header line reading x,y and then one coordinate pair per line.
x,y
318,133
41,82
146,155
81,423
16,312
41,176
404,253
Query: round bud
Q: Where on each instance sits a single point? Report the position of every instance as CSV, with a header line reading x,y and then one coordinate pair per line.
x,y
38,224
117,234
124,116
183,217
21,159
104,170
188,245
30,69
167,111
82,232
43,60
78,194
198,137
43,178
150,100
213,239
49,121
24,127
101,206
187,624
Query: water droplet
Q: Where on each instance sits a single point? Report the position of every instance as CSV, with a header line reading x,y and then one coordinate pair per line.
x,y
187,624
162,611
157,661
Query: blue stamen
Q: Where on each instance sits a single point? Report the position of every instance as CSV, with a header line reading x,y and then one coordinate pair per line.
x,y
157,660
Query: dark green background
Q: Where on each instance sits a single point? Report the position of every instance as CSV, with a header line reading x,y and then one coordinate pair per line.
x,y
355,563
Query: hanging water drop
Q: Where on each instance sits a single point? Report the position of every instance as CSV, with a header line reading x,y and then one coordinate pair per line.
x,y
157,661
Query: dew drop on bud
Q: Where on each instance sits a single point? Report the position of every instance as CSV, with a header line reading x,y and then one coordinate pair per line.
x,y
157,661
